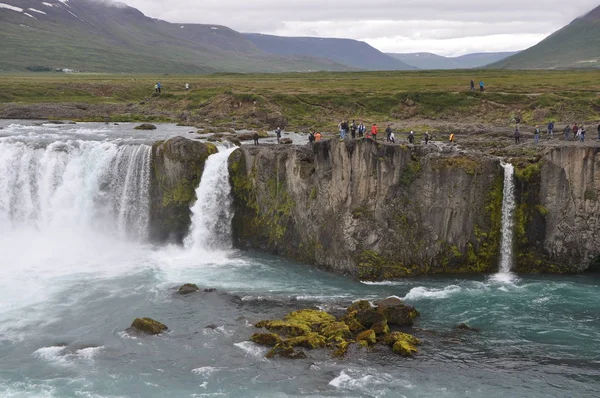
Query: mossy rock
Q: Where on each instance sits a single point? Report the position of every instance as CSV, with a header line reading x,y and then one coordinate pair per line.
x,y
188,288
342,349
148,325
266,339
398,314
290,329
392,338
336,331
145,126
311,340
353,324
360,305
404,348
381,328
369,318
367,336
285,351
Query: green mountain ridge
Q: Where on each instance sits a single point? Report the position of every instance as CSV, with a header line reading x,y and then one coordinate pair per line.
x,y
99,36
576,45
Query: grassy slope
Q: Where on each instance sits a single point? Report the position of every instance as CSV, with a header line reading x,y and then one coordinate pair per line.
x,y
571,47
321,99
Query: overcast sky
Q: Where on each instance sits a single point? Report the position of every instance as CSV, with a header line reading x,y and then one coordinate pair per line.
x,y
446,27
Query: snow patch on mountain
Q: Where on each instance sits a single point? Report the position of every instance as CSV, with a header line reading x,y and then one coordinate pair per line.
x,y
9,7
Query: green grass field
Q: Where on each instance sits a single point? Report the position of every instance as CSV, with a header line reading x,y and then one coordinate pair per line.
x,y
320,100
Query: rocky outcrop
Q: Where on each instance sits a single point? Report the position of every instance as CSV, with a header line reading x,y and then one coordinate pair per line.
x,y
148,326
370,210
177,166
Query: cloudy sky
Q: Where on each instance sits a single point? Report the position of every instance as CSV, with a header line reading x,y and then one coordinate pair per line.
x,y
446,27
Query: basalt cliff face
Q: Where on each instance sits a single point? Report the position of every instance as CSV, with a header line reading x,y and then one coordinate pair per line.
x,y
370,210
177,166
378,211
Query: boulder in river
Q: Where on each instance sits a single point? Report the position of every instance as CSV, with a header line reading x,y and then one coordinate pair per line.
x,y
464,326
145,126
188,288
396,312
148,325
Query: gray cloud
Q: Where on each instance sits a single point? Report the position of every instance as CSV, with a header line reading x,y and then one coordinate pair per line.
x,y
441,26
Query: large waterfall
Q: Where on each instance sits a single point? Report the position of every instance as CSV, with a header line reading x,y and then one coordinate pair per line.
x,y
508,209
75,185
212,212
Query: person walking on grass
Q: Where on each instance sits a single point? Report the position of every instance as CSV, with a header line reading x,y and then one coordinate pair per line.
x,y
187,87
536,135
158,84
472,85
550,129
481,86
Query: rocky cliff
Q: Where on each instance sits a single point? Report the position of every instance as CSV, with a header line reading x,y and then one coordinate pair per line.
x,y
177,166
370,210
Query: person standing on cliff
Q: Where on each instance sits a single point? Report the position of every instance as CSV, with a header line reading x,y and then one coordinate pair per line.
x,y
517,136
550,129
388,132
411,137
599,132
582,133
374,131
311,138
255,137
278,132
353,129
536,135
317,136
567,132
361,129
427,136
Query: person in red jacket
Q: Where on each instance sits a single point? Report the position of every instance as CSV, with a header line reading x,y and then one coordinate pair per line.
x,y
374,131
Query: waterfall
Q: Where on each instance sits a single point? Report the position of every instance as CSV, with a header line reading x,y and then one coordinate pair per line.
x,y
75,186
212,212
508,208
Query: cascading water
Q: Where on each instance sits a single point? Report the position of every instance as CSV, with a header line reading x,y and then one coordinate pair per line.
x,y
508,208
212,212
75,186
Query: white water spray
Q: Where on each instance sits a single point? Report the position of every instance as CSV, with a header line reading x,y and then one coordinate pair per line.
x,y
508,208
212,213
75,186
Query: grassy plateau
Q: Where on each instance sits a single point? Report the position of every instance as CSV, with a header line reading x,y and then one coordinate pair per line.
x,y
309,100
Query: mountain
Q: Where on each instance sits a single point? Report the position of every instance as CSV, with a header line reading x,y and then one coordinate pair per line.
x,y
577,45
354,53
433,61
103,36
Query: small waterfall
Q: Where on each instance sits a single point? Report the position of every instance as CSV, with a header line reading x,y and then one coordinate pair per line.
x,y
508,208
212,212
75,186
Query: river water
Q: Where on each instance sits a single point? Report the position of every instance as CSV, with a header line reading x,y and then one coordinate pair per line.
x,y
75,270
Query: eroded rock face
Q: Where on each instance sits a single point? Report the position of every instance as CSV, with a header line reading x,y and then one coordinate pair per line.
x,y
367,209
177,166
569,200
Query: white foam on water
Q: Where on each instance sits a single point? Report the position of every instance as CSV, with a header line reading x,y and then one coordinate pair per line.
x,y
369,381
205,371
421,292
252,349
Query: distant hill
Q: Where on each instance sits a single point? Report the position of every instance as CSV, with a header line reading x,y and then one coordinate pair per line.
x,y
104,36
354,53
433,61
577,45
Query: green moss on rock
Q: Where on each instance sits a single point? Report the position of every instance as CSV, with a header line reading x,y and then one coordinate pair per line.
x,y
266,339
148,325
367,336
